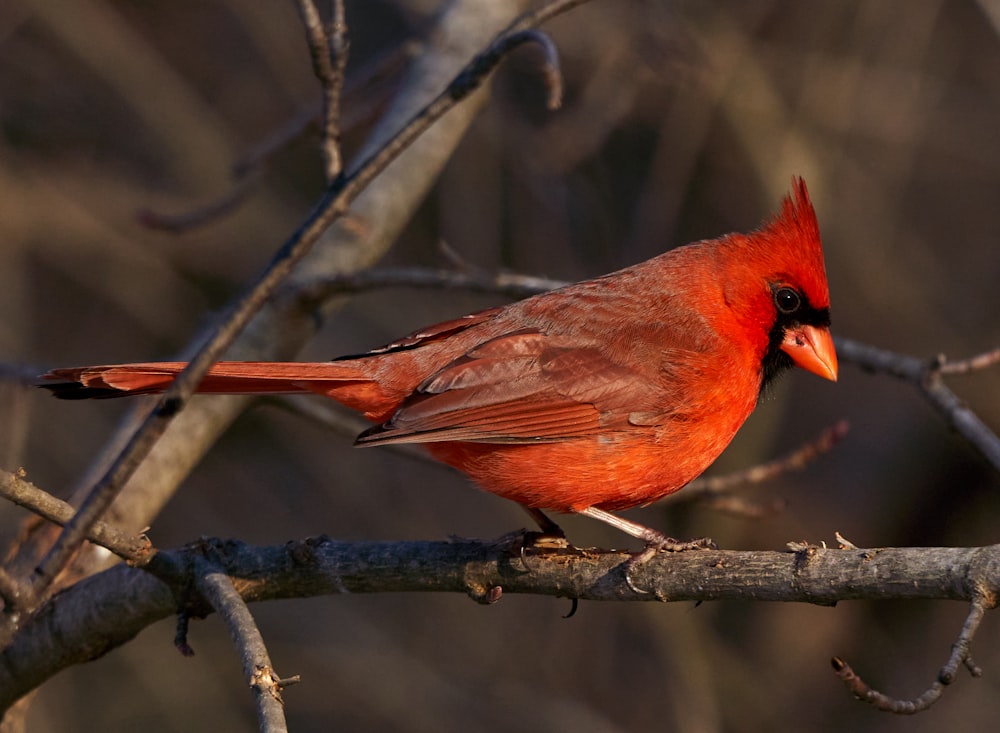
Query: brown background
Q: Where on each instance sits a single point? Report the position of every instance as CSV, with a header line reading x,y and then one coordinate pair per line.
x,y
682,120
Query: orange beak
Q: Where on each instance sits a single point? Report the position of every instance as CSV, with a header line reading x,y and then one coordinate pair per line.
x,y
811,348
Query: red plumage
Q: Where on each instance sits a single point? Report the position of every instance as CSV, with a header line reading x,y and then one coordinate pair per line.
x,y
609,393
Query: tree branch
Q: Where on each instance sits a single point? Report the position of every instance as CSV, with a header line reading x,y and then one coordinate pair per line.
x,y
960,655
15,488
374,79
106,610
717,486
333,205
328,49
487,569
217,588
926,375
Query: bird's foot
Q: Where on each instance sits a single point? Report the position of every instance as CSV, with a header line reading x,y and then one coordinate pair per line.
x,y
522,543
662,543
550,537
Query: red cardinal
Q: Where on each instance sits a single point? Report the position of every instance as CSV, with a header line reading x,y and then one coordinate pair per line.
x,y
603,395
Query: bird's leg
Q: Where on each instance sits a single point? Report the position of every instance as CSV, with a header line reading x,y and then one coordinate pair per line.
x,y
655,541
548,527
550,537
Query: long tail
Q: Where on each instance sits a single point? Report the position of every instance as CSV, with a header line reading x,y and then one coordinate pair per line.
x,y
225,377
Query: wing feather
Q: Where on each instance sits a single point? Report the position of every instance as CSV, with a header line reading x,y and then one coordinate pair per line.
x,y
521,387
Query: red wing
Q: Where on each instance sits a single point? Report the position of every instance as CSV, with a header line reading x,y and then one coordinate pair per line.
x,y
523,387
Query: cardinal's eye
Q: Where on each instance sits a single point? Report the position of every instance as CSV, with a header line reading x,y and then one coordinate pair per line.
x,y
787,300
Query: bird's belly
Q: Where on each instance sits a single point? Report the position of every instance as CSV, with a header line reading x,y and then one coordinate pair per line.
x,y
615,471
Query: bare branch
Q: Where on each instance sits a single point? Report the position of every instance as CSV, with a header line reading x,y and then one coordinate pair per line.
x,y
338,49
108,609
960,655
14,487
198,217
217,588
712,492
794,461
371,76
966,422
328,49
512,285
332,206
550,67
742,506
926,377
249,169
972,364
181,643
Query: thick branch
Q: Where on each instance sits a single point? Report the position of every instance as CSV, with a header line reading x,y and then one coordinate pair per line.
x,y
108,609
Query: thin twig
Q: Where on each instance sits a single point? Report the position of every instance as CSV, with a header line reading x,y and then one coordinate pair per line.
x,y
338,50
966,422
972,364
707,486
960,656
248,170
217,588
369,76
512,285
133,549
198,217
348,424
738,506
551,70
181,642
332,205
316,40
328,50
925,375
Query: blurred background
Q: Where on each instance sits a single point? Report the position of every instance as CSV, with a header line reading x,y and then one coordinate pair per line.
x,y
683,120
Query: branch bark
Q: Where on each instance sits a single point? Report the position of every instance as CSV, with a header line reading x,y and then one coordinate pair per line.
x,y
217,588
106,610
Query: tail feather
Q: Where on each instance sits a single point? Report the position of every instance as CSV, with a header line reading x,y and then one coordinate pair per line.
x,y
227,377
77,391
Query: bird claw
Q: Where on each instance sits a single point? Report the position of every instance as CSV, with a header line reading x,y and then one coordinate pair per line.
x,y
666,544
672,545
525,540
